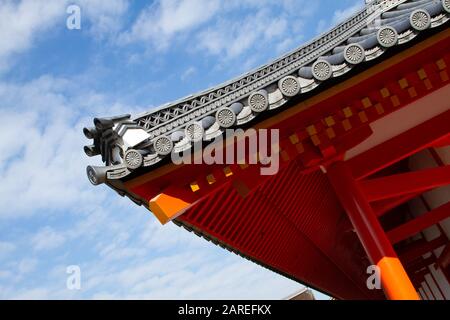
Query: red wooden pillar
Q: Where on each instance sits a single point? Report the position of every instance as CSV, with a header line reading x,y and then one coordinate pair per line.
x,y
394,279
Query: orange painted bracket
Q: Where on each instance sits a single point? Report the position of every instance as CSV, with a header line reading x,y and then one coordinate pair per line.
x,y
169,204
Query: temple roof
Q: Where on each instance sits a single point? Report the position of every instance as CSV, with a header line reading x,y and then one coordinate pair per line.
x,y
127,143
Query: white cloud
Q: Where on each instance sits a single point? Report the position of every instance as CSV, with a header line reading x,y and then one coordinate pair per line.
x,y
6,248
237,37
229,27
21,21
188,73
26,266
6,274
42,164
32,294
47,239
104,16
196,274
165,19
339,16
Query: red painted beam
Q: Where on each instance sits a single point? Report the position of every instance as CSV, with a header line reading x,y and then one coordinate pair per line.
x,y
436,157
419,276
442,143
430,133
420,247
418,224
383,206
422,272
405,183
420,264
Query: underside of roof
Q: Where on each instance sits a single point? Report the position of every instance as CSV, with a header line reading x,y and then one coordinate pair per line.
x,y
299,231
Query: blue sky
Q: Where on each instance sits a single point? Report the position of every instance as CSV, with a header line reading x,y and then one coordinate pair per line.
x,y
128,57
